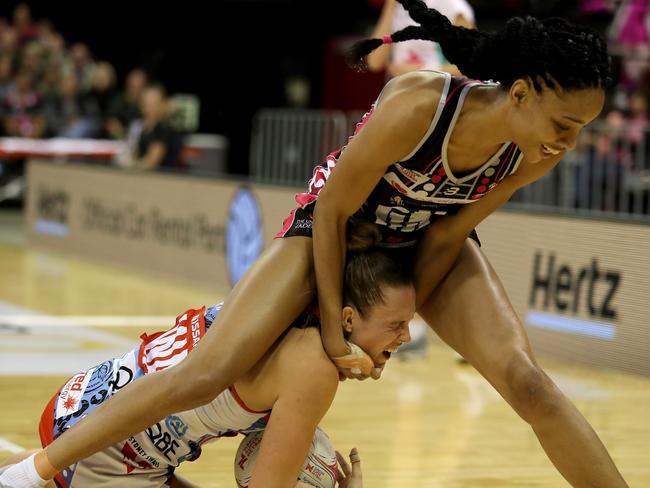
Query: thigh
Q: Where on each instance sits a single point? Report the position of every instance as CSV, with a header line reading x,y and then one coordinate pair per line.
x,y
471,312
111,468
268,298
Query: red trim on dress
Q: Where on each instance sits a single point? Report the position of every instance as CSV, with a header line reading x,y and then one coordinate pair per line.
x,y
241,403
287,224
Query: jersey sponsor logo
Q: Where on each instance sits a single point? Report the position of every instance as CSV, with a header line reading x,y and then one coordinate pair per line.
x,y
414,176
130,456
401,219
196,329
302,224
177,427
162,440
123,376
71,393
100,376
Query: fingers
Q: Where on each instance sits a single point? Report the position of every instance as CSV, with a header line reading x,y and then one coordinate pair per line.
x,y
344,464
357,364
356,464
354,457
375,374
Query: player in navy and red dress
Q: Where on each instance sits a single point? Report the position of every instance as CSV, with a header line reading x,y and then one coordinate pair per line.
x,y
435,157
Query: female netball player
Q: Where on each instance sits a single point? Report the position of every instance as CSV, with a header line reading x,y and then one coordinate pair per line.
x,y
434,157
285,394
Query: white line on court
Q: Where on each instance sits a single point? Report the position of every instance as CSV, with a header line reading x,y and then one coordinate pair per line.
x,y
9,446
54,347
15,320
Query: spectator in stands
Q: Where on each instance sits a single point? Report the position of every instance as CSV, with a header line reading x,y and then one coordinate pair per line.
x,y
33,59
6,75
23,23
413,55
125,107
71,113
158,145
630,37
22,108
50,81
639,142
80,62
8,41
103,84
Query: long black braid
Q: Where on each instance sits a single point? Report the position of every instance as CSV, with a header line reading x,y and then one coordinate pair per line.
x,y
552,50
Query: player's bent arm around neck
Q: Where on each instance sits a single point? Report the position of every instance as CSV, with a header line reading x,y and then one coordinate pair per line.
x,y
398,123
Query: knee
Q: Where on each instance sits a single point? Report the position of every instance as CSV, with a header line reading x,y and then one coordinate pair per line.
x,y
186,390
531,393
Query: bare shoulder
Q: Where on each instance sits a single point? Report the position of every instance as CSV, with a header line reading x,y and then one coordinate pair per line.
x,y
301,358
415,94
411,100
405,110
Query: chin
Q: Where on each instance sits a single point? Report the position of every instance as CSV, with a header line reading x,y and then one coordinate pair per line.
x,y
533,156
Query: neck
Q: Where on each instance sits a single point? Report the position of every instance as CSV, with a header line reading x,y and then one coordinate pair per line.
x,y
484,107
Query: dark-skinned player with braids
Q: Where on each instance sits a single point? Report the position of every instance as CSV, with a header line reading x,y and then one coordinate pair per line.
x,y
433,157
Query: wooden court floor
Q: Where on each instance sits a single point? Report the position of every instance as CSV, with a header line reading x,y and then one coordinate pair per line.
x,y
429,422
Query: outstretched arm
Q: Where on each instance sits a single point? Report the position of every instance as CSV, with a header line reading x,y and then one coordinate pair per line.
x,y
306,393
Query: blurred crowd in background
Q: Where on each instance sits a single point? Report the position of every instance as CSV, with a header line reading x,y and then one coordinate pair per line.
x,y
50,88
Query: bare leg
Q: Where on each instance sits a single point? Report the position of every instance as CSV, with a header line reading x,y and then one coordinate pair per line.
x,y
470,311
266,300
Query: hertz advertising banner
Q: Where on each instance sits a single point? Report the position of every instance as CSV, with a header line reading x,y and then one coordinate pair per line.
x,y
581,286
206,231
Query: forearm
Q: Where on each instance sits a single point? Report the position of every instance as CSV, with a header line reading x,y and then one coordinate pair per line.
x,y
329,260
378,59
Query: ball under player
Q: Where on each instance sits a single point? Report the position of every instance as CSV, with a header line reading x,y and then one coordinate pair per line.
x,y
286,393
434,157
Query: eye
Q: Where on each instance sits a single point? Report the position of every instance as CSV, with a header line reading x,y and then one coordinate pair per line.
x,y
560,127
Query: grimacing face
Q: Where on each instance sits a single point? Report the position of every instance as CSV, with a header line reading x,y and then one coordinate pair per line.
x,y
547,124
385,326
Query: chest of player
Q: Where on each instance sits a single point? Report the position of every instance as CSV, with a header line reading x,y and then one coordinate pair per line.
x,y
410,196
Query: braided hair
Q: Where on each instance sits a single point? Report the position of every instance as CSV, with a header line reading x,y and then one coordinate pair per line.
x,y
553,51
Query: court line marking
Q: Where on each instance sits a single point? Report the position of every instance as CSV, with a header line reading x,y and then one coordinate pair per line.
x,y
9,446
27,320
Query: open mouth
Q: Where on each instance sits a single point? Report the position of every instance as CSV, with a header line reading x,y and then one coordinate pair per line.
x,y
549,151
389,350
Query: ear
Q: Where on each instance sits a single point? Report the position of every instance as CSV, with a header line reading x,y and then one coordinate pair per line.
x,y
521,90
347,318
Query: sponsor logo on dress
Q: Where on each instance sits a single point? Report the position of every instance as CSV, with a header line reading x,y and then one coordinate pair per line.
x,y
101,375
71,393
176,426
